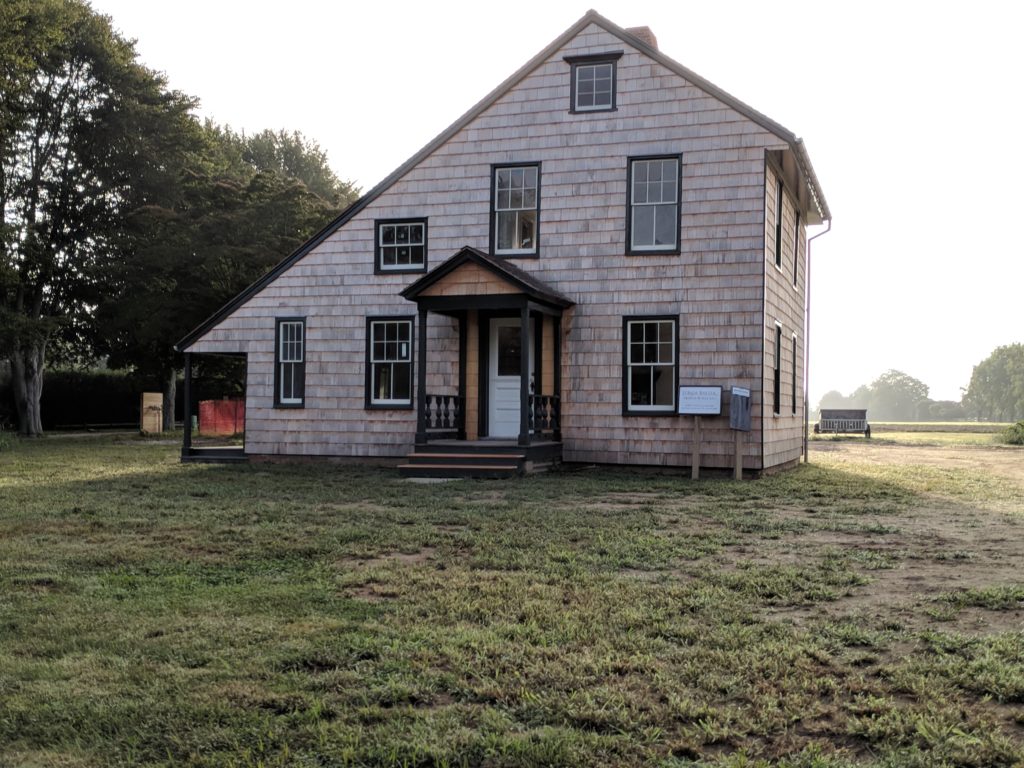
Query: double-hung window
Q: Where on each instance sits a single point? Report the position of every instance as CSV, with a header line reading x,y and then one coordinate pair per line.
x,y
389,362
777,373
516,205
779,201
592,82
654,189
290,363
796,247
650,365
401,245
793,377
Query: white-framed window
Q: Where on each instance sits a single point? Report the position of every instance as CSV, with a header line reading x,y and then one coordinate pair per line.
x,y
777,372
593,81
654,204
595,86
793,378
290,362
650,365
401,245
516,195
389,362
779,202
796,247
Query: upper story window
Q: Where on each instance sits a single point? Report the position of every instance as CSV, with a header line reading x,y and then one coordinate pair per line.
x,y
779,201
290,363
654,189
401,245
650,365
796,248
516,207
593,81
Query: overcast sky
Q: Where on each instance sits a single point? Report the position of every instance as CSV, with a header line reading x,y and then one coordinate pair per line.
x,y
909,111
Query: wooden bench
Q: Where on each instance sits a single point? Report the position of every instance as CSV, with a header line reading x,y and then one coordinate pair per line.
x,y
844,421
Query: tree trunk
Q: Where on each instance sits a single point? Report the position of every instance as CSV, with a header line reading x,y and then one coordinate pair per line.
x,y
27,379
170,387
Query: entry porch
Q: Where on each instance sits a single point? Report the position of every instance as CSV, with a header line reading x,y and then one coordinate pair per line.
x,y
505,392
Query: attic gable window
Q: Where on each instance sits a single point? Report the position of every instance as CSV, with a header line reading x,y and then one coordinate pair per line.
x,y
401,245
593,82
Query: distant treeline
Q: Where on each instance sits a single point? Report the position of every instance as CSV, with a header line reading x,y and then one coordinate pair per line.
x,y
995,393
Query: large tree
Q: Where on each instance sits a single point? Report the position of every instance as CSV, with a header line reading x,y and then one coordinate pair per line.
x,y
894,396
996,391
83,127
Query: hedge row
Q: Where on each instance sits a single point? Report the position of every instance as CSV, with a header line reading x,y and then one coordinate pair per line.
x,y
75,399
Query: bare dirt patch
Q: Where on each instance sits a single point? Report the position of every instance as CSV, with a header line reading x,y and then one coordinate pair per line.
x,y
936,547
1002,461
402,558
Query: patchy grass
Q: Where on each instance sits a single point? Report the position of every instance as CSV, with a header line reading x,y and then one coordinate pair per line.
x,y
851,612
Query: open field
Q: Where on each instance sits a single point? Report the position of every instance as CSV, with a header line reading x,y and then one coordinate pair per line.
x,y
867,609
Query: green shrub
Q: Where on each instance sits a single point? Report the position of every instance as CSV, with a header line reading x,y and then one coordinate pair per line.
x,y
1013,434
6,440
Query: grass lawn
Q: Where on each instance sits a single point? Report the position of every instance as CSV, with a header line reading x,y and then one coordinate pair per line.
x,y
863,610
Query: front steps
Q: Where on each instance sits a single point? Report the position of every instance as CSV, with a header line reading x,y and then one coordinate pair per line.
x,y
479,459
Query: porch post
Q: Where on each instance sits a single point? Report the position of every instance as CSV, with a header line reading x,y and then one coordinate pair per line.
x,y
421,388
524,374
186,441
463,341
556,352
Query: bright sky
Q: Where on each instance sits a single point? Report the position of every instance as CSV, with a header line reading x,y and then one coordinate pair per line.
x,y
910,112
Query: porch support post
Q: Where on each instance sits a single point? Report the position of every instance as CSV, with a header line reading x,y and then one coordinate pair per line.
x,y
524,374
421,387
557,371
463,339
186,441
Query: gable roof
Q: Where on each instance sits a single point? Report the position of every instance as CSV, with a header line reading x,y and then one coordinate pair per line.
x,y
590,17
519,279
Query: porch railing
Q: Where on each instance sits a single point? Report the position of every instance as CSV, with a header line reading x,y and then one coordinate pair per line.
x,y
445,415
546,415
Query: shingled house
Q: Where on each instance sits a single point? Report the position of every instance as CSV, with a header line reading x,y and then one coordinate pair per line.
x,y
539,280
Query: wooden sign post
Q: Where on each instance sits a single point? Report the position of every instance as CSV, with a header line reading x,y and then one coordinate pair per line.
x,y
695,453
697,402
739,422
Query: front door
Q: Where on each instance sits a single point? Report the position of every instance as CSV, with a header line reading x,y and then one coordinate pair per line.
x,y
504,376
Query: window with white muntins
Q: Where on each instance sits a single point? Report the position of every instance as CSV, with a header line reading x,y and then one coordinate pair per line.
x,y
654,205
516,207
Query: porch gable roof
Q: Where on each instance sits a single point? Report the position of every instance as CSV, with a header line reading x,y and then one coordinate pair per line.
x,y
483,275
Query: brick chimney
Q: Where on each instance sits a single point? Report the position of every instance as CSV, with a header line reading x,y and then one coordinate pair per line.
x,y
645,35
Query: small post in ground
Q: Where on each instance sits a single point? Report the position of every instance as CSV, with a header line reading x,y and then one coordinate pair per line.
x,y
695,461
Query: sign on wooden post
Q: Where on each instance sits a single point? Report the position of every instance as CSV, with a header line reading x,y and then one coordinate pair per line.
x,y
697,402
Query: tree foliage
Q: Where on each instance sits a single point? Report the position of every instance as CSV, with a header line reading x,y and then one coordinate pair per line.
x,y
84,127
125,221
996,391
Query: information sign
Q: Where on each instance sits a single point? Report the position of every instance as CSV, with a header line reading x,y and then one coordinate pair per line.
x,y
700,401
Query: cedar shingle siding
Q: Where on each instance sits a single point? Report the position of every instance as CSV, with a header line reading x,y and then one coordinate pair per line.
x,y
723,285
